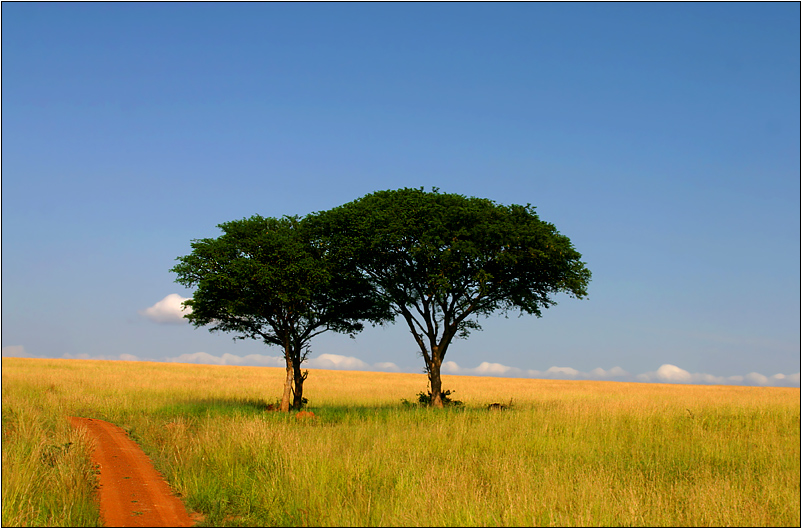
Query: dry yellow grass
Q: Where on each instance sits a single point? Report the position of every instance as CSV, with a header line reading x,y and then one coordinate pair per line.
x,y
567,453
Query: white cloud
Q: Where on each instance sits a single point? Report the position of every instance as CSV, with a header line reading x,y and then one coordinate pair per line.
x,y
86,356
450,367
332,361
16,351
667,373
324,361
196,358
488,368
671,374
562,372
775,380
484,369
386,366
168,310
229,360
500,370
757,379
610,374
82,356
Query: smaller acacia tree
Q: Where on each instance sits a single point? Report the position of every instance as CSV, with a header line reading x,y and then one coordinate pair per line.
x,y
268,279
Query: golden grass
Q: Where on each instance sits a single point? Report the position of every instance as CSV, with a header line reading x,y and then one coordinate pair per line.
x,y
568,453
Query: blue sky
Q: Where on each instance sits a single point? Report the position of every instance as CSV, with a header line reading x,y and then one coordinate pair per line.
x,y
662,138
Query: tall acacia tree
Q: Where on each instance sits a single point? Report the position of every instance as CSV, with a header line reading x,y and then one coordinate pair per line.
x,y
267,279
443,260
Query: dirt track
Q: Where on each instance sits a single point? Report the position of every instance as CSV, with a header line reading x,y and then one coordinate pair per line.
x,y
132,493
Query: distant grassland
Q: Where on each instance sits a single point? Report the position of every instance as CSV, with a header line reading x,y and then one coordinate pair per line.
x,y
568,453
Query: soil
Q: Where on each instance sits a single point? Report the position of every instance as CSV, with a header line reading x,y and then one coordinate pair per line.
x,y
131,492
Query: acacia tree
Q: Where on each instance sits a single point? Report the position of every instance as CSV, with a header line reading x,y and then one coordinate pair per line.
x,y
443,260
267,279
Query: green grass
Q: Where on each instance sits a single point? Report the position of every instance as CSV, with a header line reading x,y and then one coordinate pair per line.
x,y
47,478
567,453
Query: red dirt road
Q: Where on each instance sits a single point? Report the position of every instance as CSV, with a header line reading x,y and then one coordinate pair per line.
x,y
132,493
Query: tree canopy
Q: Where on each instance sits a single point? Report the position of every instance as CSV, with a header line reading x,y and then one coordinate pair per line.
x,y
268,279
442,260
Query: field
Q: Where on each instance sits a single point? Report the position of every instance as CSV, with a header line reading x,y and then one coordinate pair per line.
x,y
566,453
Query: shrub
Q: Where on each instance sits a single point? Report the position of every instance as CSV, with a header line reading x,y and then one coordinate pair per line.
x,y
425,399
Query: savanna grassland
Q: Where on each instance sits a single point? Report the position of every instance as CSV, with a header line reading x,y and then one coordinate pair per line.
x,y
566,453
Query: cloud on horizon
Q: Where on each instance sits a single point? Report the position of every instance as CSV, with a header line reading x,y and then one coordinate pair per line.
x,y
672,374
332,361
667,374
84,356
324,361
16,351
168,310
500,370
229,360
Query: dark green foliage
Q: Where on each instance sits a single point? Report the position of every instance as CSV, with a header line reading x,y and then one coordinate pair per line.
x,y
269,279
443,260
425,399
264,278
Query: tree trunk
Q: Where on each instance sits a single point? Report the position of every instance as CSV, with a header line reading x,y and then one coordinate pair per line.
x,y
285,398
435,383
298,391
